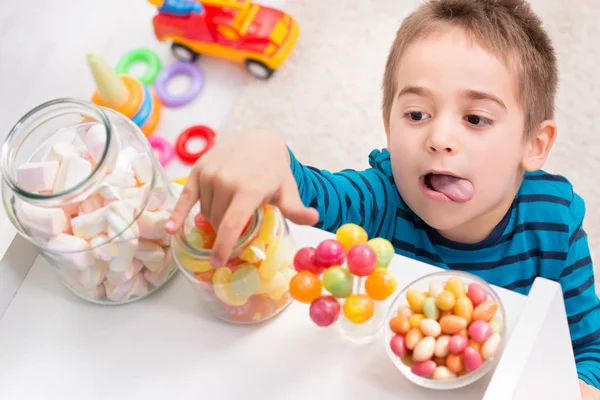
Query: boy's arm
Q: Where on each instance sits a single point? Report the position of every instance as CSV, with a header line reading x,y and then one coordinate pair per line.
x,y
581,302
366,198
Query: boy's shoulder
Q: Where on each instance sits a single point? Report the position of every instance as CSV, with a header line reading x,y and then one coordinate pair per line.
x,y
550,198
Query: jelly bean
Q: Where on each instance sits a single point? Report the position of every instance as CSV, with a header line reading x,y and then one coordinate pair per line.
x,y
405,310
424,349
222,288
351,234
415,320
430,327
381,284
430,309
384,251
472,359
407,360
245,281
397,345
440,361
490,346
457,344
399,324
329,252
455,362
445,301
304,260
305,287
412,338
338,281
480,331
452,324
270,224
423,368
497,325
415,299
464,308
456,286
442,372
359,308
361,259
476,293
324,310
485,311
444,313
475,345
255,252
435,288
441,346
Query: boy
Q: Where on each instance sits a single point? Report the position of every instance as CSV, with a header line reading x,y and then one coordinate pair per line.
x,y
468,103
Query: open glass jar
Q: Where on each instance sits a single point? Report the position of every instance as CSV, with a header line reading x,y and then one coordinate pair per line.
x,y
81,183
253,285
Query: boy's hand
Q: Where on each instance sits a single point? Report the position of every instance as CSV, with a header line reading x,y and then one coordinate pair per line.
x,y
234,178
588,392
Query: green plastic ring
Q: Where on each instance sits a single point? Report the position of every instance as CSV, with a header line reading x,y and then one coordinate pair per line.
x,y
141,55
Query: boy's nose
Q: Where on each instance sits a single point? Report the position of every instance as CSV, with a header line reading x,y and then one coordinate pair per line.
x,y
441,141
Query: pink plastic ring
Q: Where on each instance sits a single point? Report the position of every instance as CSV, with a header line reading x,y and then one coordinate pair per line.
x,y
166,149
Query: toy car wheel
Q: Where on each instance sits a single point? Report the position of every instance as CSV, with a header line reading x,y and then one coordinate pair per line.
x,y
184,53
258,69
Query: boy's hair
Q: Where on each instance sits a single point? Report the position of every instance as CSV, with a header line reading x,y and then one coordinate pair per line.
x,y
507,28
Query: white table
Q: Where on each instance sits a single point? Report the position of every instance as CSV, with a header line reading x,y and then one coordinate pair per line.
x,y
55,346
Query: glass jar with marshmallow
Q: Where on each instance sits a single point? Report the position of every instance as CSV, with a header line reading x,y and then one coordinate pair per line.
x,y
81,183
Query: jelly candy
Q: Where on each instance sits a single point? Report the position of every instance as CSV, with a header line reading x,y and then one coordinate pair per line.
x,y
324,310
222,288
245,281
351,234
361,260
380,284
338,281
359,308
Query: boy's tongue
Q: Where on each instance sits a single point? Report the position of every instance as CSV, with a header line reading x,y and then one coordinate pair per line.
x,y
457,189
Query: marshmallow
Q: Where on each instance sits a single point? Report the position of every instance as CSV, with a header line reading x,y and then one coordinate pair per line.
x,y
89,225
142,168
91,204
135,197
152,224
119,278
37,176
136,286
126,158
92,276
119,215
62,150
165,241
125,257
106,251
157,266
116,181
73,249
156,278
40,221
149,252
96,292
95,141
72,171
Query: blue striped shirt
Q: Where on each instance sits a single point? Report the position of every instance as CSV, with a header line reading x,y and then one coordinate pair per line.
x,y
541,235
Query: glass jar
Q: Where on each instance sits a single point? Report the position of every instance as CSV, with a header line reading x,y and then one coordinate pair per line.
x,y
253,285
81,183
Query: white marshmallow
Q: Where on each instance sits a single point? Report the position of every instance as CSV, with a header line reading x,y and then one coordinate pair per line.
x,y
165,241
135,197
62,150
116,181
125,290
152,224
119,278
149,252
105,252
89,225
140,286
126,158
125,256
142,168
81,259
157,277
120,216
159,265
37,176
95,141
72,171
91,204
92,276
40,221
96,292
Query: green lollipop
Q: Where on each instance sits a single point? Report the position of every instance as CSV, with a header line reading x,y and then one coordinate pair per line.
x,y
338,281
384,251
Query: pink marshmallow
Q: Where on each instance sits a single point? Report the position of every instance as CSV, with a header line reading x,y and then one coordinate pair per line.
x,y
125,290
149,252
92,276
95,141
91,204
152,224
88,226
119,215
72,171
96,292
37,176
42,222
73,249
119,278
106,251
125,256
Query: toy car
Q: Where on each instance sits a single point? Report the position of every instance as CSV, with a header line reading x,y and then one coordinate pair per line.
x,y
260,37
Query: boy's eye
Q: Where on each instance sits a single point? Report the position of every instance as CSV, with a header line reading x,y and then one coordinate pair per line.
x,y
417,115
477,120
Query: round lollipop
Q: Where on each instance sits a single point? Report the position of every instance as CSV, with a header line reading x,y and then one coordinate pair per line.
x,y
384,251
361,260
304,260
329,252
305,287
359,308
380,284
324,310
351,234
338,281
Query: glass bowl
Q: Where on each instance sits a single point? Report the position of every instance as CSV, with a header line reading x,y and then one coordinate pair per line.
x,y
463,378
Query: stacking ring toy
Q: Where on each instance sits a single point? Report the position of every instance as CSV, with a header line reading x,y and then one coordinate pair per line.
x,y
125,94
199,131
168,73
146,56
167,152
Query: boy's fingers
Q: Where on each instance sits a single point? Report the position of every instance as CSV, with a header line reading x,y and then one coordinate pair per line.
x,y
291,205
187,199
237,215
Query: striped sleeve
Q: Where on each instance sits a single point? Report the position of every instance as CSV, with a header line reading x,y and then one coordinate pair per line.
x,y
581,301
363,197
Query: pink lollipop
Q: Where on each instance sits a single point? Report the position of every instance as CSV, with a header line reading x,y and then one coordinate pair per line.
x,y
329,252
324,310
362,260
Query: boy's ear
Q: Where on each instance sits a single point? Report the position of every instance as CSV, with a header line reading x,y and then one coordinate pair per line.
x,y
538,146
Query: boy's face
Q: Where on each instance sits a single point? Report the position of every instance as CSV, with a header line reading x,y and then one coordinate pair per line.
x,y
456,135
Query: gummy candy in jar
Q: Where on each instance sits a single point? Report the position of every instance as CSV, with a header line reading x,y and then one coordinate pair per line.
x,y
253,284
81,183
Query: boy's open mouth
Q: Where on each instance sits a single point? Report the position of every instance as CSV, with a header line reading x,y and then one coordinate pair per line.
x,y
453,187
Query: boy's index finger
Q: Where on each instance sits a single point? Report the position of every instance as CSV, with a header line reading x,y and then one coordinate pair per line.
x,y
189,196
